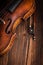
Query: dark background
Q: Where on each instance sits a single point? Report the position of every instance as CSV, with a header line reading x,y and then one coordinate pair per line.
x,y
3,3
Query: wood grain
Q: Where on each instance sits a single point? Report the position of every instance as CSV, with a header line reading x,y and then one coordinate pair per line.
x,y
23,51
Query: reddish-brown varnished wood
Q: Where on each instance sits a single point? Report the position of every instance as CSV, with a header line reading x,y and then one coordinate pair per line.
x,y
20,11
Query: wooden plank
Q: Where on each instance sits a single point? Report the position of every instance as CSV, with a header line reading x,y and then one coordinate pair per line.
x,y
18,54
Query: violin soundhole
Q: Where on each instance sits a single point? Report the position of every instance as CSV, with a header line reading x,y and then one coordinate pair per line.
x,y
7,30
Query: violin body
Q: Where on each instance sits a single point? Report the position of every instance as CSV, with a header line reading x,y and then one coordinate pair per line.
x,y
9,18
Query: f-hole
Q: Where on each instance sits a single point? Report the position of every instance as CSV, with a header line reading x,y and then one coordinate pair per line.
x,y
7,28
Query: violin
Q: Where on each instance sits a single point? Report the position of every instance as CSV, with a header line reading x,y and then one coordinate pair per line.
x,y
10,18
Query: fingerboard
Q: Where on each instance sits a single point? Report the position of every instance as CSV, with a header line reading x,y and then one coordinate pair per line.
x,y
13,5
